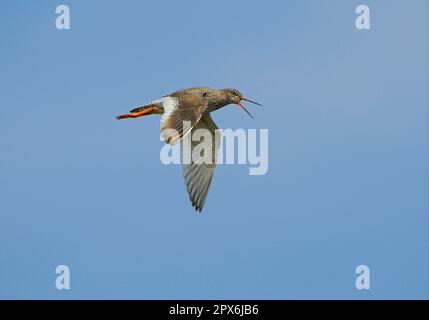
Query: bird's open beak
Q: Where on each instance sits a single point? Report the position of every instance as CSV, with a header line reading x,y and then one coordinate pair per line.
x,y
244,99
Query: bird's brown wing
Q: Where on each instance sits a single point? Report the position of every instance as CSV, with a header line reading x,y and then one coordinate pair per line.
x,y
198,173
199,90
182,111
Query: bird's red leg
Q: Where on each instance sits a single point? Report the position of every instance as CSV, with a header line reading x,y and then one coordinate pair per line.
x,y
137,114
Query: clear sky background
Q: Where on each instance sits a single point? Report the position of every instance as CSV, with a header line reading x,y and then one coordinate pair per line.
x,y
348,163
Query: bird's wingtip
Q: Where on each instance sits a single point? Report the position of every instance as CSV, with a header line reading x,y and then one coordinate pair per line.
x,y
198,209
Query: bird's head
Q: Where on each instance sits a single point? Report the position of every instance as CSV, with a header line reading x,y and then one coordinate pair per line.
x,y
234,96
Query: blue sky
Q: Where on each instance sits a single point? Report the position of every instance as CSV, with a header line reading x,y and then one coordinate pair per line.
x,y
348,173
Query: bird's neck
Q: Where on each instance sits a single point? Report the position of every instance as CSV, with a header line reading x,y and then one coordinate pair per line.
x,y
216,100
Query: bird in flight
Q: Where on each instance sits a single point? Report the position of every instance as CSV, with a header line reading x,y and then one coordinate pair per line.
x,y
192,107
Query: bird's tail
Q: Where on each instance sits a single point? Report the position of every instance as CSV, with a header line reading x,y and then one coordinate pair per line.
x,y
141,108
139,111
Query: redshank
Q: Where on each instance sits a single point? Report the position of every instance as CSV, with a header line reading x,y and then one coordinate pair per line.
x,y
192,106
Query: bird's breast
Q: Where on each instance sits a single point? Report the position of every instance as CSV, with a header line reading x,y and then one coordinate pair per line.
x,y
215,106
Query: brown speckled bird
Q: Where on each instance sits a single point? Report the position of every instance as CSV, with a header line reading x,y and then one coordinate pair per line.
x,y
194,106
